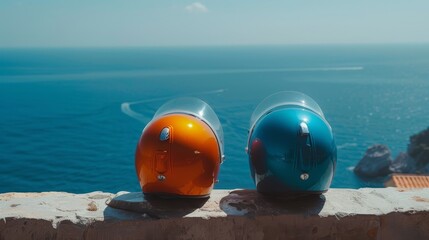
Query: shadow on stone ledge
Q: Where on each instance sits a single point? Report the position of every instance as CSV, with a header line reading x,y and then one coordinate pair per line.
x,y
138,206
221,203
250,202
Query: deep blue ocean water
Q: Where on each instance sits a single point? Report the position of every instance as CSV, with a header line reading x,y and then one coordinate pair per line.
x,y
62,127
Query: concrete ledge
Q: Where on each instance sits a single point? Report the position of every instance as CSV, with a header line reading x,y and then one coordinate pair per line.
x,y
384,213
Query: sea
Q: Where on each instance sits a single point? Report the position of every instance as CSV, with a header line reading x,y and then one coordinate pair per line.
x,y
64,127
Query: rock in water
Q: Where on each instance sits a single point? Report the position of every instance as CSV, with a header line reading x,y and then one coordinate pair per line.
x,y
375,162
419,148
403,164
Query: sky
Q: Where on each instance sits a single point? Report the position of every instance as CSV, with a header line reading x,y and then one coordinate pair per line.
x,y
134,23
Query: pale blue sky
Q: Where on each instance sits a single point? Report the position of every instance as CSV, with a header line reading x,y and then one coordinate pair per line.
x,y
103,23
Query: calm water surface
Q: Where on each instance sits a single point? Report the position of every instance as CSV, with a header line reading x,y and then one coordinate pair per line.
x,y
62,127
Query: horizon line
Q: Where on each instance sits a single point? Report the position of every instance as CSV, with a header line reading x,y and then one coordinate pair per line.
x,y
215,45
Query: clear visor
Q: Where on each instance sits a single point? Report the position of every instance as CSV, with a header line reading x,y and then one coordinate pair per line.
x,y
195,107
282,100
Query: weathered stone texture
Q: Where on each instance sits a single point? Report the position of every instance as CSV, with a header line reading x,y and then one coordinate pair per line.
x,y
385,213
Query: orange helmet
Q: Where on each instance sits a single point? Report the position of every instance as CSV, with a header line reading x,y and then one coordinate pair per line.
x,y
180,150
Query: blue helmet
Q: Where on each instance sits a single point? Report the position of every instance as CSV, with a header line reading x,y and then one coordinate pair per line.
x,y
291,147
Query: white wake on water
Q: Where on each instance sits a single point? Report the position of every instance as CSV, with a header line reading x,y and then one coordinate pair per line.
x,y
346,145
127,110
351,168
140,73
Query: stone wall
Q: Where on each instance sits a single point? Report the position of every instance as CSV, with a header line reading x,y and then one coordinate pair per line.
x,y
368,213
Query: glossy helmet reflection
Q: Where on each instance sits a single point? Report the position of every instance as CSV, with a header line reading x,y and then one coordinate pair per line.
x,y
180,150
291,146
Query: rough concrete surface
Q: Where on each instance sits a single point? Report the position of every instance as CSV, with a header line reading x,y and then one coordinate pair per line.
x,y
368,213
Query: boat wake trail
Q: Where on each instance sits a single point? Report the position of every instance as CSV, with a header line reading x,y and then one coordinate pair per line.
x,y
346,145
127,110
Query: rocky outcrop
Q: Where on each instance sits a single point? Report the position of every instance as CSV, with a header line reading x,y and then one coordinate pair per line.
x,y
403,164
418,148
375,163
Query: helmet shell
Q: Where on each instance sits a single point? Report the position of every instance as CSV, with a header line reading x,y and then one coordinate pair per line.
x,y
291,150
178,154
